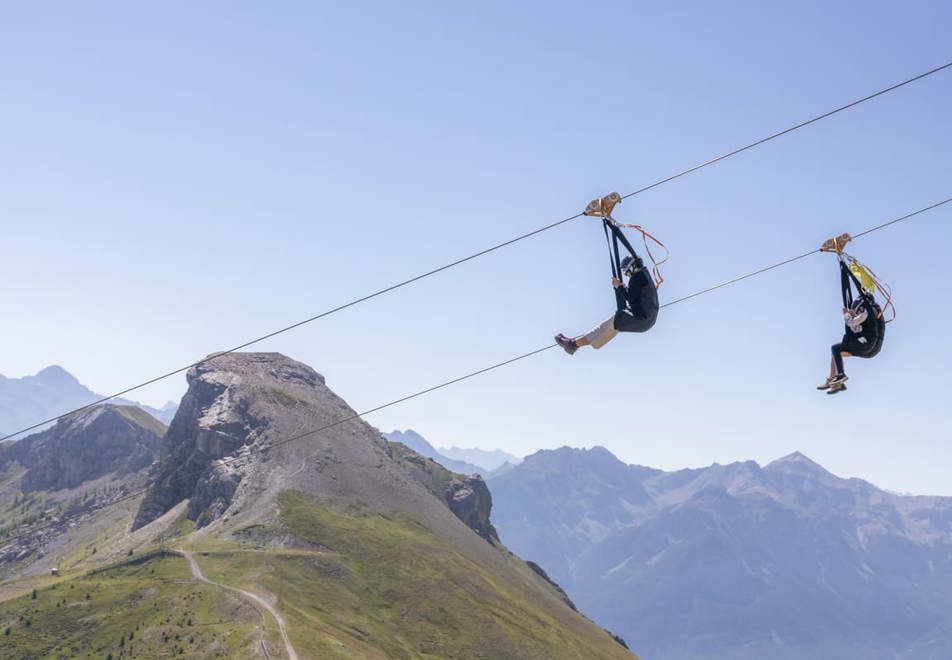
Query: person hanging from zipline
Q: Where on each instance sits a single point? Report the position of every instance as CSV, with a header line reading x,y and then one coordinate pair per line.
x,y
636,291
865,325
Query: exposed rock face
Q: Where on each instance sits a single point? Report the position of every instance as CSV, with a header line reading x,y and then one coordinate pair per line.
x,y
470,500
545,576
87,445
205,455
465,495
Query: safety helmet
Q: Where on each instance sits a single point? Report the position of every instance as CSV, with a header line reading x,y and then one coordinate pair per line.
x,y
628,261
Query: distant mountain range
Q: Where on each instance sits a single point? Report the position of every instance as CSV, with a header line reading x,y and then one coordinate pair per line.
x,y
486,459
486,463
739,561
53,391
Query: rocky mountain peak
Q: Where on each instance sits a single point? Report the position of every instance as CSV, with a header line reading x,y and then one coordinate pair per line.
x,y
570,460
57,375
226,367
87,445
797,463
228,408
253,425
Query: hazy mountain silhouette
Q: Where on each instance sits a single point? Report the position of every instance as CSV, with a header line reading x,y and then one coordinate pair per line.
x,y
53,391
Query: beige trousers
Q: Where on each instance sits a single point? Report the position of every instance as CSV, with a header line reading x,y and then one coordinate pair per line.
x,y
603,333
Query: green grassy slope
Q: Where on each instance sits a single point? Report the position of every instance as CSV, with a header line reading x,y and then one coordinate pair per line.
x,y
147,608
383,586
141,417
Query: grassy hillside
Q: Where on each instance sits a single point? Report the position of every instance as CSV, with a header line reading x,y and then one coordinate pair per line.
x,y
384,586
148,607
142,418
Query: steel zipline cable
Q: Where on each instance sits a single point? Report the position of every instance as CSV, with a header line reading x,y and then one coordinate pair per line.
x,y
140,491
481,253
802,256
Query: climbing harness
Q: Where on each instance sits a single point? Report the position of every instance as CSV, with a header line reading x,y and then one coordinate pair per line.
x,y
602,208
866,281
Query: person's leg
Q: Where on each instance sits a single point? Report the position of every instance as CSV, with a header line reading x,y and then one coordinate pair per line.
x,y
837,383
596,337
600,335
838,355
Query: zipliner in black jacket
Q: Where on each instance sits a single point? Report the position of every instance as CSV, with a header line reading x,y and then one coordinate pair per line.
x,y
637,302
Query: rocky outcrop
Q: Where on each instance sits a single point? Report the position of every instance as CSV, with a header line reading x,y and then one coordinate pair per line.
x,y
218,425
465,495
545,576
469,499
86,446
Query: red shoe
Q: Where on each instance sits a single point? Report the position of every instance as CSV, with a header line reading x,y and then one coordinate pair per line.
x,y
566,343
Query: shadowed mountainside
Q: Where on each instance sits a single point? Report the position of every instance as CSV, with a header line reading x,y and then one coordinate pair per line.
x,y
55,486
85,446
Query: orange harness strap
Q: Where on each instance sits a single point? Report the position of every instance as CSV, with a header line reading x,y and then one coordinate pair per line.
x,y
655,265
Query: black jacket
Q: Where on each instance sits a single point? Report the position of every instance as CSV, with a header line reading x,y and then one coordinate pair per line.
x,y
637,303
873,330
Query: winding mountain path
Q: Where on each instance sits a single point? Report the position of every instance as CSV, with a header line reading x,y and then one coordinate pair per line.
x,y
197,573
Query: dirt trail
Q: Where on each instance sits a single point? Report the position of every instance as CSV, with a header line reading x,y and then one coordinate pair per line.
x,y
197,573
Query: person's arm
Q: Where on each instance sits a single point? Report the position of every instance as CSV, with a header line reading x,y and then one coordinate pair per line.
x,y
621,298
855,320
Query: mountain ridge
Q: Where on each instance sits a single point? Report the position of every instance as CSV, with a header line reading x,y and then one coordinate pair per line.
x,y
737,561
52,391
422,446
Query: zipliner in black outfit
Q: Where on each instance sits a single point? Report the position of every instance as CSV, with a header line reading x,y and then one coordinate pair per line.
x,y
865,329
636,301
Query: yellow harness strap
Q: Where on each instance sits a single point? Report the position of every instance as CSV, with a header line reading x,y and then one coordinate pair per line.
x,y
872,284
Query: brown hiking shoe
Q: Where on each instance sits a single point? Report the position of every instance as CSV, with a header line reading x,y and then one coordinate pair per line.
x,y
566,343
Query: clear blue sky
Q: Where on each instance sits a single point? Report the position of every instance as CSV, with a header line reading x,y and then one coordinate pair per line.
x,y
175,179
